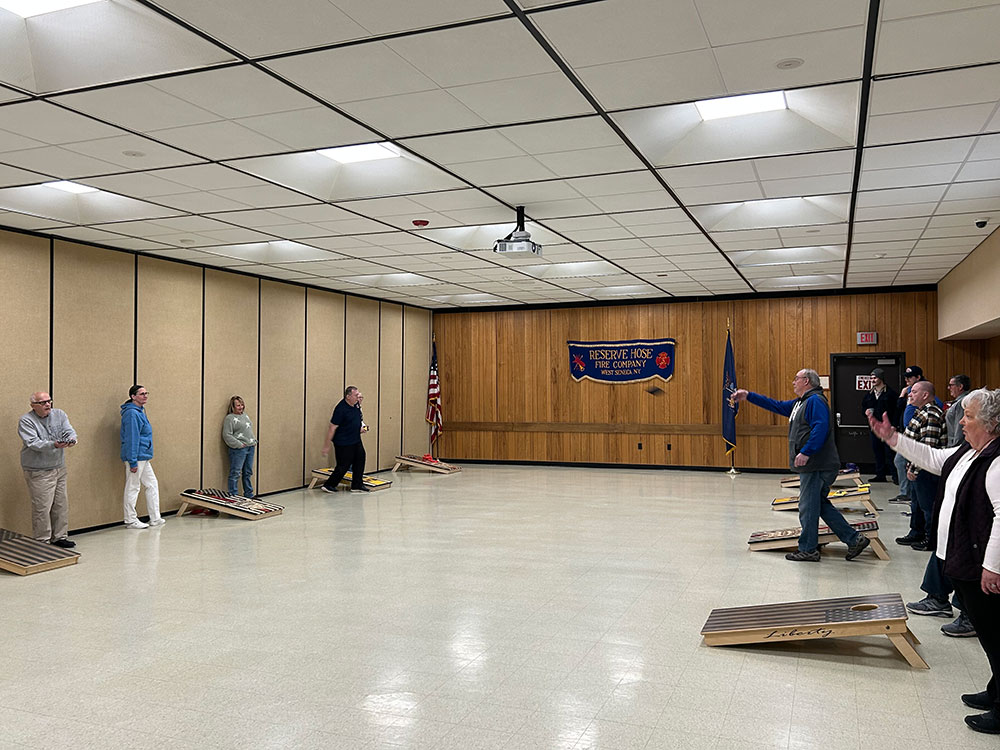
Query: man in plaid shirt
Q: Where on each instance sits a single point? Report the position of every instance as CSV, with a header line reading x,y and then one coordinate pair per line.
x,y
926,426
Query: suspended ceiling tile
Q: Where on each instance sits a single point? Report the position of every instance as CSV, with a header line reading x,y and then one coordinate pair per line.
x,y
972,190
97,43
817,119
951,88
554,209
280,251
900,196
50,124
529,98
16,220
888,178
132,152
234,92
773,213
10,176
702,175
326,179
314,127
941,40
800,186
9,95
729,23
85,208
927,124
404,115
644,201
353,73
59,162
979,170
219,140
949,151
139,106
805,165
199,201
834,55
740,191
876,213
513,169
593,33
266,27
456,148
652,80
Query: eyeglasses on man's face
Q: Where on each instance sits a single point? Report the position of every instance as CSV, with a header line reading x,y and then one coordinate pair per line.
x,y
42,403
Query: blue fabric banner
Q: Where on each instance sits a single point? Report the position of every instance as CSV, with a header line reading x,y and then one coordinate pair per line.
x,y
729,407
622,361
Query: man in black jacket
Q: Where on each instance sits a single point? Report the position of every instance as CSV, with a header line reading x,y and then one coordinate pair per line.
x,y
881,399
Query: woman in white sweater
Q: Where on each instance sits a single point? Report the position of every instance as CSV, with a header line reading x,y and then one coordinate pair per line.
x,y
237,431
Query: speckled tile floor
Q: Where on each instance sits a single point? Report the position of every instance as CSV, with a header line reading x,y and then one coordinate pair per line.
x,y
503,607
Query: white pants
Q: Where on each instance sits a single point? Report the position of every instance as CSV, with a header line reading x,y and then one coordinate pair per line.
x,y
142,475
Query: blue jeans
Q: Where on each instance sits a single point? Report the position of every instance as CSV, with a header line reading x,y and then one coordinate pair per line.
x,y
814,486
241,464
904,483
937,584
923,491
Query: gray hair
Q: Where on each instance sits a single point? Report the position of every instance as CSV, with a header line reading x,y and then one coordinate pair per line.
x,y
813,377
989,408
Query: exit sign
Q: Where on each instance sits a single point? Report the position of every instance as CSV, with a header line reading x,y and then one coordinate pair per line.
x,y
867,337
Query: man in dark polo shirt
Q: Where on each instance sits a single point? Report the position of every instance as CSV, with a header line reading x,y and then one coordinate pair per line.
x,y
812,454
345,435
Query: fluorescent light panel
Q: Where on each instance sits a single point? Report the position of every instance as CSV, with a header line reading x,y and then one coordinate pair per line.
x,y
749,104
69,187
364,152
29,8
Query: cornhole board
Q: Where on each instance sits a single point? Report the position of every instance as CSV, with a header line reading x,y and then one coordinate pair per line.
x,y
817,619
844,475
837,497
25,556
229,503
789,538
372,483
408,462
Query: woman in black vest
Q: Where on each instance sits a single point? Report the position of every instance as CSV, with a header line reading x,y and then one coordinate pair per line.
x,y
964,529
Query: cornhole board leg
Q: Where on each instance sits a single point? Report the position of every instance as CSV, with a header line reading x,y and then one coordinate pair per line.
x,y
399,465
879,548
313,482
182,510
869,505
904,647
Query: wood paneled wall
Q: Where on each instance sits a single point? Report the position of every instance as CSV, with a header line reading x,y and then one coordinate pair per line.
x,y
508,395
194,337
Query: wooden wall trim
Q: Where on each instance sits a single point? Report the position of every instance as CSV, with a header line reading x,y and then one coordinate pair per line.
x,y
756,430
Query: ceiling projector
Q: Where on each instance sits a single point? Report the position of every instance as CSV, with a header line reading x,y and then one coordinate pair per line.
x,y
518,241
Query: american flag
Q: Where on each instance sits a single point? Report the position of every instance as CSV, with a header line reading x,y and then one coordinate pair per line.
x,y
433,415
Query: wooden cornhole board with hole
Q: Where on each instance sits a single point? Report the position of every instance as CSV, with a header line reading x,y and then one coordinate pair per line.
x,y
789,538
372,483
25,556
229,503
819,619
837,497
409,462
844,475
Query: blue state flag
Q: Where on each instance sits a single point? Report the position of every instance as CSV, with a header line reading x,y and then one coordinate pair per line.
x,y
729,408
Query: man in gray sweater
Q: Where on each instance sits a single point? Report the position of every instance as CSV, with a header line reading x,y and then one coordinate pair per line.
x,y
45,432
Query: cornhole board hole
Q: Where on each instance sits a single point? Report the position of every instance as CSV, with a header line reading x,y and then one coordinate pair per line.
x,y
789,538
818,619
229,503
25,556
422,462
844,475
837,497
372,483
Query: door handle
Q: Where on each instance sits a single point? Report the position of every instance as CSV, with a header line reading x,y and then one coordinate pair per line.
x,y
838,419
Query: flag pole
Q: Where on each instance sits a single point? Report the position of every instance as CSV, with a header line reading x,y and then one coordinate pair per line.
x,y
733,472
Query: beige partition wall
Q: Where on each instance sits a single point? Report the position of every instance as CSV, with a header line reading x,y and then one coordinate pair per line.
x,y
24,339
324,371
390,387
282,385
168,363
230,363
416,367
92,368
361,357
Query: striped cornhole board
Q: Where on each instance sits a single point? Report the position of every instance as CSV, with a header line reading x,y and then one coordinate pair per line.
x,y
23,555
372,483
844,475
837,497
229,503
789,538
877,614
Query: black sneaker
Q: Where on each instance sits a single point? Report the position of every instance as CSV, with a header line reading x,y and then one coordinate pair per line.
x,y
980,701
858,547
360,489
329,489
909,540
961,628
988,723
64,543
800,556
930,606
900,499
924,545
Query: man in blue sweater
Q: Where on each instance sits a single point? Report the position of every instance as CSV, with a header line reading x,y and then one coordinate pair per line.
x,y
812,453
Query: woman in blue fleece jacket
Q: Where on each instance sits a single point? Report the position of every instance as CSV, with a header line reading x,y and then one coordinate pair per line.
x,y
137,452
